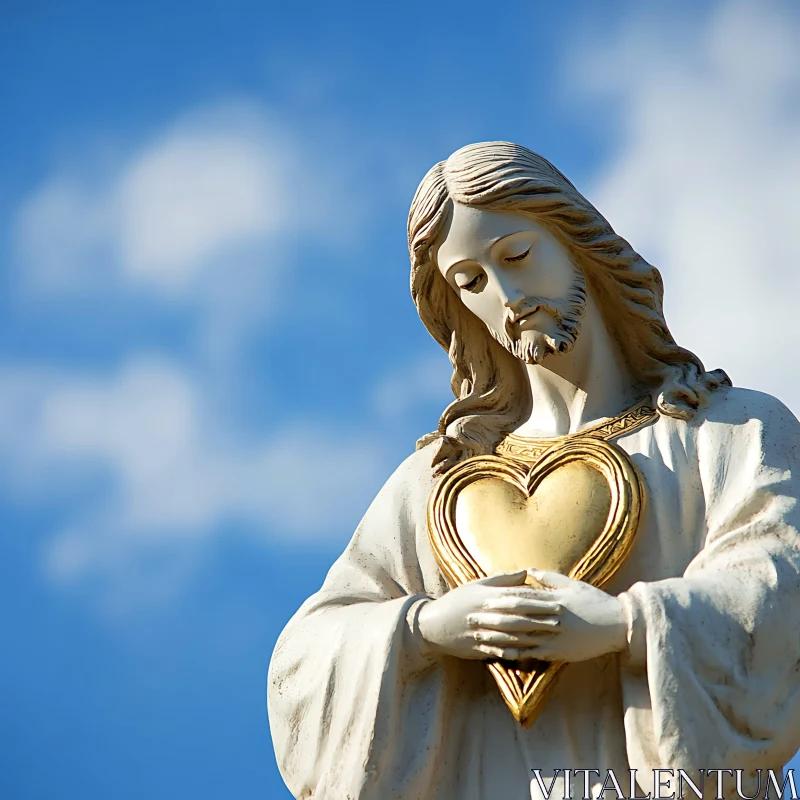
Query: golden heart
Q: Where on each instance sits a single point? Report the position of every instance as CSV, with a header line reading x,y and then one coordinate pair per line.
x,y
575,511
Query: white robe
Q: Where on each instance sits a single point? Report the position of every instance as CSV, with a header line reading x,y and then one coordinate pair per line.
x,y
712,678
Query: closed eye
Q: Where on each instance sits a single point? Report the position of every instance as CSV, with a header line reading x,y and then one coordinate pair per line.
x,y
472,285
520,257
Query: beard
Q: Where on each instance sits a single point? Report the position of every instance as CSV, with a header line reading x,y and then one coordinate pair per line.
x,y
557,331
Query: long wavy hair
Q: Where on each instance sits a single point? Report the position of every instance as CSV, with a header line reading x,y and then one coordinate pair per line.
x,y
492,395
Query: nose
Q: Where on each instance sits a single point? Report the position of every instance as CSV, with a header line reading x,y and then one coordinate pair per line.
x,y
510,293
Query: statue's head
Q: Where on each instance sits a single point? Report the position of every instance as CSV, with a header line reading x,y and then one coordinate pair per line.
x,y
504,252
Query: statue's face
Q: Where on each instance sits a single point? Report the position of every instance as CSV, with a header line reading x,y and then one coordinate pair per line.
x,y
516,277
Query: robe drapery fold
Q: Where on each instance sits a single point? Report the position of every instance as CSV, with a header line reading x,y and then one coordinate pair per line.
x,y
711,681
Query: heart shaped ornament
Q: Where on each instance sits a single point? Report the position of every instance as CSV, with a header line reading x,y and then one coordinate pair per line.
x,y
574,511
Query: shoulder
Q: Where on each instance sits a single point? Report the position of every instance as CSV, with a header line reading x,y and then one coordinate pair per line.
x,y
746,429
734,406
412,481
391,541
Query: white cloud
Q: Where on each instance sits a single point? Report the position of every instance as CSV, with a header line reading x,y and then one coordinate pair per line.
x,y
196,192
706,181
209,212
172,473
61,233
147,463
216,184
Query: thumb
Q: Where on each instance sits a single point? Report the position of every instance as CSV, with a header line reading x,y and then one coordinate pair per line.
x,y
550,580
505,579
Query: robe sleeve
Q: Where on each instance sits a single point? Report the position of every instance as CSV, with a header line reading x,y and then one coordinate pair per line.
x,y
354,709
713,677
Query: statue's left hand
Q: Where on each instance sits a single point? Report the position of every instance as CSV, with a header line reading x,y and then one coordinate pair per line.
x,y
592,623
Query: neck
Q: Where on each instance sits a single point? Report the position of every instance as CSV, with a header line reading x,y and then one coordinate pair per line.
x,y
575,389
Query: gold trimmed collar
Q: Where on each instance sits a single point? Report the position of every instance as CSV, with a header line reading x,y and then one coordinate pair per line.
x,y
522,448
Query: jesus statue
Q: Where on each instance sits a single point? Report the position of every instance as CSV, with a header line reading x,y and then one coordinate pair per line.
x,y
589,572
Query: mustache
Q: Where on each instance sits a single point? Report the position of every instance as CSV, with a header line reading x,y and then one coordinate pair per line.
x,y
566,312
530,306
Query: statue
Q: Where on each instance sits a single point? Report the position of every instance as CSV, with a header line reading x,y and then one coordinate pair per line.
x,y
592,567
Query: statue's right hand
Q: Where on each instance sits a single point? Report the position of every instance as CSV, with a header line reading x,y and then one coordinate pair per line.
x,y
495,617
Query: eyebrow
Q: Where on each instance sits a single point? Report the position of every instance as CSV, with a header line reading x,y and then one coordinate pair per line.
x,y
491,244
456,263
497,239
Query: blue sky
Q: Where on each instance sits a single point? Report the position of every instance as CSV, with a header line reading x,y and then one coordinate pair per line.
x,y
205,318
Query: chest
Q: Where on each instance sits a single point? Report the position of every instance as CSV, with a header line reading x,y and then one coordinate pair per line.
x,y
672,528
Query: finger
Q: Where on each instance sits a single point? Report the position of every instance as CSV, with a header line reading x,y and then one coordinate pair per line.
x,y
503,639
505,579
541,653
508,653
544,652
533,594
494,652
513,623
522,606
551,579
527,653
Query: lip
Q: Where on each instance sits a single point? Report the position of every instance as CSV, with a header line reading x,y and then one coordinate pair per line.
x,y
519,317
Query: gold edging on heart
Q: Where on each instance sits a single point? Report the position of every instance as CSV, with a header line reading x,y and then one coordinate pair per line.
x,y
526,690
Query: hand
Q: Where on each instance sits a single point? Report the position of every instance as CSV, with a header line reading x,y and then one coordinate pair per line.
x,y
495,617
591,623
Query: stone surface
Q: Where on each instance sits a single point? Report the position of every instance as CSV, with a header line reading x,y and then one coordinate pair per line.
x,y
685,659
